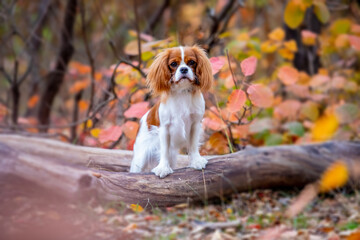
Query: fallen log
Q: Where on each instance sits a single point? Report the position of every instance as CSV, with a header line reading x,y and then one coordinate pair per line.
x,y
77,171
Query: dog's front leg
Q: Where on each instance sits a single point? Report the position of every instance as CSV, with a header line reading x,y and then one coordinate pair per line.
x,y
163,168
196,161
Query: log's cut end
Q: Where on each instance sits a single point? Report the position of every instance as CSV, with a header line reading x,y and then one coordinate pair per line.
x,y
82,171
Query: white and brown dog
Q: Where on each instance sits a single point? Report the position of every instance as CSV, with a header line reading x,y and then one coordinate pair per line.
x,y
178,75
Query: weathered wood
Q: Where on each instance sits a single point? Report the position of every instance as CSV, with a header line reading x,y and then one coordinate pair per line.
x,y
75,170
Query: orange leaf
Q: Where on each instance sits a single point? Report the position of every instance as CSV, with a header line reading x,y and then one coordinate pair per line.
x,y
248,66
214,124
288,75
218,143
33,101
136,208
83,105
334,177
137,110
130,129
78,86
110,134
236,100
277,34
261,95
80,68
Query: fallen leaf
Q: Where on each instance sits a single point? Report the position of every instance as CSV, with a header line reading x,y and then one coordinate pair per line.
x,y
335,176
136,208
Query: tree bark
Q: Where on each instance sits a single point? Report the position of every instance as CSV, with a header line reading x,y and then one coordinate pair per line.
x,y
55,78
77,171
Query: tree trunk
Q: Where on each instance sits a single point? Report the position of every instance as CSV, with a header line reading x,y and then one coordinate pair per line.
x,y
55,78
77,171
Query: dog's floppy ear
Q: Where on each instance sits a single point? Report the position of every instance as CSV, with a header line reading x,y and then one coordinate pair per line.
x,y
203,69
158,78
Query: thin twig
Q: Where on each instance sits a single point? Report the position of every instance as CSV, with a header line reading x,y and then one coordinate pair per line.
x,y
137,32
232,73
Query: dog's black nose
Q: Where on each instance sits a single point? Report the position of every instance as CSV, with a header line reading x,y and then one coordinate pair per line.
x,y
183,70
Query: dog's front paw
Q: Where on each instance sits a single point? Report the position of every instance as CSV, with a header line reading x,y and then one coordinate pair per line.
x,y
162,171
198,162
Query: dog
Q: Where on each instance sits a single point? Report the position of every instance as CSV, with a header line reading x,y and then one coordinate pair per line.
x,y
178,76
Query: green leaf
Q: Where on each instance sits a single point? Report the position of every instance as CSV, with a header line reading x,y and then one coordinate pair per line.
x,y
347,112
295,128
340,26
145,56
321,11
273,139
294,14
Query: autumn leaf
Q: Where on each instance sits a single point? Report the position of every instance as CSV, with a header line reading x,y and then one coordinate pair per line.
x,y
236,100
33,101
213,124
83,105
288,75
248,66
110,134
130,129
277,34
218,143
216,64
136,208
291,45
308,38
79,67
95,132
78,86
325,127
137,110
321,11
294,13
287,109
269,46
355,42
334,177
261,95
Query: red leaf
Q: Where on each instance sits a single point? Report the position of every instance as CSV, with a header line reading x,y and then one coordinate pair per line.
x,y
248,66
110,134
236,100
130,129
137,110
261,95
355,42
216,64
288,75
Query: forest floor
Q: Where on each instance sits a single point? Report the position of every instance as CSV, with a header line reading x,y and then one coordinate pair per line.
x,y
29,212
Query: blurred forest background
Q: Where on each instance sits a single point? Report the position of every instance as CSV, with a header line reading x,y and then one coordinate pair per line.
x,y
75,70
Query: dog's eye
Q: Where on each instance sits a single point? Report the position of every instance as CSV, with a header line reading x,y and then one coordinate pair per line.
x,y
191,62
173,64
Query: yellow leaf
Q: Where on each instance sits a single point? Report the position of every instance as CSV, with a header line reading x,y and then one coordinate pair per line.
x,y
136,208
269,46
291,45
335,176
95,132
229,211
286,53
89,123
325,127
294,13
308,38
277,34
